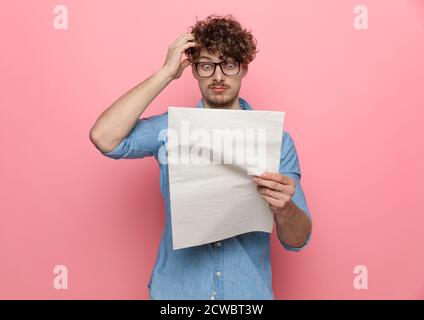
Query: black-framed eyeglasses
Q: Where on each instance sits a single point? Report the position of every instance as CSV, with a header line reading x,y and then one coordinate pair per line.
x,y
207,69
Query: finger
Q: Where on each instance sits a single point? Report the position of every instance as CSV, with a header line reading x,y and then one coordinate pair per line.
x,y
186,37
188,44
269,184
176,41
274,202
276,176
185,46
183,35
285,195
271,193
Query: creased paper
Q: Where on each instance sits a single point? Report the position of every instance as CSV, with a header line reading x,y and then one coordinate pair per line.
x,y
211,157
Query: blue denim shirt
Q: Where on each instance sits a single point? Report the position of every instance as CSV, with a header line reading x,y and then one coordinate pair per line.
x,y
235,268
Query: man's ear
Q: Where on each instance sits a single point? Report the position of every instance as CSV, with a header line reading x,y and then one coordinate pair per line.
x,y
193,71
245,70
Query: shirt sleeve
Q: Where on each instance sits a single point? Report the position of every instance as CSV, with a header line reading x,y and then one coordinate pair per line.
x,y
142,141
290,166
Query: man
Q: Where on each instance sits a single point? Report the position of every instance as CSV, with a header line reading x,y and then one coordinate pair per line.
x,y
219,52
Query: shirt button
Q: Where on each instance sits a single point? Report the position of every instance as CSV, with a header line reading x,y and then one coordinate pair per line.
x,y
218,274
218,244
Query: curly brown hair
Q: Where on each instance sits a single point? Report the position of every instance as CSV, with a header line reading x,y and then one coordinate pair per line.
x,y
223,35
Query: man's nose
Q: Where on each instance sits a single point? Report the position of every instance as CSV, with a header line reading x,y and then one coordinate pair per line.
x,y
218,75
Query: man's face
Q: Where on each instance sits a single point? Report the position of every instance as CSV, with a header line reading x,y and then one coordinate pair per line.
x,y
227,98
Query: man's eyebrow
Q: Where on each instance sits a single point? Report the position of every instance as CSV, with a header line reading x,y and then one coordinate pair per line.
x,y
204,57
208,58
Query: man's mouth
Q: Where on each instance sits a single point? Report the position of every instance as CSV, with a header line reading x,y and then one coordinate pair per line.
x,y
218,88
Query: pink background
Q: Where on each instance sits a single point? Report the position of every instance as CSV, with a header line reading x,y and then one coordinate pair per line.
x,y
354,103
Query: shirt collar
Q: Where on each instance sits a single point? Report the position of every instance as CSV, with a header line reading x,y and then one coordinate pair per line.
x,y
243,104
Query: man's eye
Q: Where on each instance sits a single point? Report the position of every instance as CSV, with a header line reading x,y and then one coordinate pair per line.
x,y
231,64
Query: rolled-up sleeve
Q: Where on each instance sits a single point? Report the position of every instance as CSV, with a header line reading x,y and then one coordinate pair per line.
x,y
142,141
290,166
